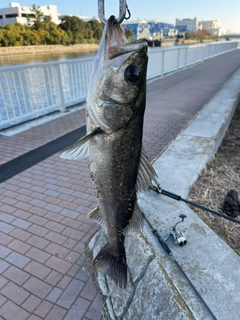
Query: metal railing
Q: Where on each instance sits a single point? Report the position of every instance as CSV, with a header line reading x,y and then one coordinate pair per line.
x,y
167,60
30,91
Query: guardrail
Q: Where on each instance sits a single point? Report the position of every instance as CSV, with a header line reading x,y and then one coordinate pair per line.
x,y
175,58
30,91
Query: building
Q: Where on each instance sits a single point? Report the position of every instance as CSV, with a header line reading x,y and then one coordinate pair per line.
x,y
213,26
187,24
151,30
23,15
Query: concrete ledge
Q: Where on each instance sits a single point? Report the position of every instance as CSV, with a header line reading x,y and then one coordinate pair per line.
x,y
48,48
157,290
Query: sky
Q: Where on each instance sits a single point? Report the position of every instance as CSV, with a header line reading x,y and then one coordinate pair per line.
x,y
226,11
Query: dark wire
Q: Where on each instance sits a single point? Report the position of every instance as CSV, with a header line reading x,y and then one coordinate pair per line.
x,y
179,198
210,210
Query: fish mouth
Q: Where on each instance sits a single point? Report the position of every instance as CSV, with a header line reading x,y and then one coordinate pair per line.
x,y
117,44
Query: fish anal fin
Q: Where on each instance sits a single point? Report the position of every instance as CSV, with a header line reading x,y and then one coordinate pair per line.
x,y
113,261
95,215
146,173
136,223
80,149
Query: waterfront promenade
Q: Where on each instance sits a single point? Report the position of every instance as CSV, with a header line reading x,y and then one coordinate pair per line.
x,y
43,224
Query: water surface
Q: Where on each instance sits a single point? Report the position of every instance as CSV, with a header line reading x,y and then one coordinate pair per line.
x,y
24,58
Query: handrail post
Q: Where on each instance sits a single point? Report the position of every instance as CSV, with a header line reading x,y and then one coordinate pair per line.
x,y
203,51
59,85
196,55
209,49
163,58
178,59
185,63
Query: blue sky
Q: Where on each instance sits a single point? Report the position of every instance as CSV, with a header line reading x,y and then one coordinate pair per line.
x,y
227,11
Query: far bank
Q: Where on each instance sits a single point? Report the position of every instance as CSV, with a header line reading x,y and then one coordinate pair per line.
x,y
47,49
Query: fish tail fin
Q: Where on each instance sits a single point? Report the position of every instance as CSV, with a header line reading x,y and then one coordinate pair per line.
x,y
115,260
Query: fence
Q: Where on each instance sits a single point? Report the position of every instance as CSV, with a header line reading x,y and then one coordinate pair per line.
x,y
175,58
30,91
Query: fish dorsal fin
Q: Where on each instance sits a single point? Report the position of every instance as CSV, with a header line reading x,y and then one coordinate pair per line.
x,y
95,215
80,149
136,223
146,173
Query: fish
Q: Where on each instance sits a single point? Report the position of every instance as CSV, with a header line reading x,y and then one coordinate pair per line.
x,y
118,164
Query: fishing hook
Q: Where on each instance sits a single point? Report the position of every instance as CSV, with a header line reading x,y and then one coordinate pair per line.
x,y
123,8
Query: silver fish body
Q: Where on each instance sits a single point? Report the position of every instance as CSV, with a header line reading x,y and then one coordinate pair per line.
x,y
117,162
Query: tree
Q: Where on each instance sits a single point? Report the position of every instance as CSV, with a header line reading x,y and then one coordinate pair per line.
x,y
97,29
47,23
37,19
199,35
14,34
43,31
8,38
129,34
74,27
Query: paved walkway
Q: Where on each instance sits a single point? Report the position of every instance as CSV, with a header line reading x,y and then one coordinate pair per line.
x,y
43,224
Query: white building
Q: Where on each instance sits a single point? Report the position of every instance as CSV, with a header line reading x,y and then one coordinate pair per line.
x,y
191,24
213,26
22,14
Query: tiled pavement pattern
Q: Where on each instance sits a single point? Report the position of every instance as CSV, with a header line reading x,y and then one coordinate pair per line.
x,y
43,224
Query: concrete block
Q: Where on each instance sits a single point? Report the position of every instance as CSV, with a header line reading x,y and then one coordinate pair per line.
x,y
4,251
70,294
3,266
18,260
78,309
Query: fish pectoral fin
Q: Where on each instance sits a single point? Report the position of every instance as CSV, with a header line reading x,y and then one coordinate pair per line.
x,y
95,215
77,151
136,223
80,149
146,173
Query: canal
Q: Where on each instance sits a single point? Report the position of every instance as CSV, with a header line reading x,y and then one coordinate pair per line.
x,y
24,58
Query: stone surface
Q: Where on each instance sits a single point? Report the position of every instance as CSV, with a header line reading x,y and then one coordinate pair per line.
x,y
157,298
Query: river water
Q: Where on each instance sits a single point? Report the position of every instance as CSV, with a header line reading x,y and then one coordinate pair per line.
x,y
31,58
24,58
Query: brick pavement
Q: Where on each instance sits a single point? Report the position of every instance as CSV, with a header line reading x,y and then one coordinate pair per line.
x,y
43,224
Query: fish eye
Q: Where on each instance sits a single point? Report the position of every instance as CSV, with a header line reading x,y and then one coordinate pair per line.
x,y
132,73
